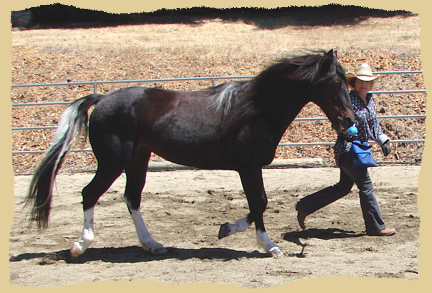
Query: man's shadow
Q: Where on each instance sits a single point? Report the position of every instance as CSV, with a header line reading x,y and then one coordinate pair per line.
x,y
324,234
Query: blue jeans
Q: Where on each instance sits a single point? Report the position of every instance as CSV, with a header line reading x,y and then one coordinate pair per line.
x,y
348,176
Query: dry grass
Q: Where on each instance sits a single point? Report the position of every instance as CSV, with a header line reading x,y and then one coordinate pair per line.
x,y
210,48
226,39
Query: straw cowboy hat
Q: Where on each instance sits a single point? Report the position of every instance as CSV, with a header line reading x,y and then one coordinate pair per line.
x,y
364,72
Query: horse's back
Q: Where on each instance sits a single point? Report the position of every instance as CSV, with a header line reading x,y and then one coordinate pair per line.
x,y
173,124
132,103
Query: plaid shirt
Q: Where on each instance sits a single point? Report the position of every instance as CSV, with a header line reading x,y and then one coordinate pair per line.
x,y
366,123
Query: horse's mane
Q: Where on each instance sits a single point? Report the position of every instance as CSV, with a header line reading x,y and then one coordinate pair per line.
x,y
225,96
305,67
239,98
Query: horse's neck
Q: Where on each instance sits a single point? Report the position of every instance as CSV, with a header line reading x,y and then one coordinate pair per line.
x,y
282,109
283,118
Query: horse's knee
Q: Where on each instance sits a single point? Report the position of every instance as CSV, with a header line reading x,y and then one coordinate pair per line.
x,y
258,205
256,214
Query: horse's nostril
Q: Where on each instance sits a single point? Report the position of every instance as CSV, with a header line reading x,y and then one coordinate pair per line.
x,y
349,121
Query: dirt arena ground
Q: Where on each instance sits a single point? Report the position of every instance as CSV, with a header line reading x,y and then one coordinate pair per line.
x,y
183,210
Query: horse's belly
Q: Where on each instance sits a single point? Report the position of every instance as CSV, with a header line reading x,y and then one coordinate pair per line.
x,y
227,153
199,154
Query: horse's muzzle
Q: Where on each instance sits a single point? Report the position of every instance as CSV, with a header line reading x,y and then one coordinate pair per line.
x,y
348,122
344,123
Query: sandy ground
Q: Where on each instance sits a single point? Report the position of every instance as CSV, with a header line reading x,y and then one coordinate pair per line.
x,y
183,210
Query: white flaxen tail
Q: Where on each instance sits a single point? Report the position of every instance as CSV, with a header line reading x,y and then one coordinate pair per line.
x,y
73,120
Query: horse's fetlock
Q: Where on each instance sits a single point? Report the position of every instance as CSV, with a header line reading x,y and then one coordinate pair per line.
x,y
88,237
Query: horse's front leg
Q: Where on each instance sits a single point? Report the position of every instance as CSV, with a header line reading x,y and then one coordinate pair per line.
x,y
241,225
253,186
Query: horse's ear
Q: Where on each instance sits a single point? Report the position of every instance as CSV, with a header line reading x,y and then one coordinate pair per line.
x,y
332,53
329,61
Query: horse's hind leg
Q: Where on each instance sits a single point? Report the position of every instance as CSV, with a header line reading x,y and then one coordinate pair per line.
x,y
135,180
100,183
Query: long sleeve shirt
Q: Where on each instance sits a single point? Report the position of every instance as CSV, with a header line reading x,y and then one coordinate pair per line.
x,y
366,123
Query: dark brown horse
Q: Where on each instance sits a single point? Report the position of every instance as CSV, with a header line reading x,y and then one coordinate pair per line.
x,y
234,126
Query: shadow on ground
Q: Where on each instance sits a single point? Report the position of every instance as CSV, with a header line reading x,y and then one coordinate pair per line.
x,y
134,254
64,16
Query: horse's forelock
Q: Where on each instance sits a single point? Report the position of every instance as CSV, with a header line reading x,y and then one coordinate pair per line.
x,y
325,67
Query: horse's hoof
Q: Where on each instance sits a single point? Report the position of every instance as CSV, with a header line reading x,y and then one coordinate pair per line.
x,y
154,248
224,230
75,252
159,251
275,252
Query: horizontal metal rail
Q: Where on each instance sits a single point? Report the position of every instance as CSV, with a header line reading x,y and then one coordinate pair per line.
x,y
175,79
379,117
94,83
332,143
296,119
280,145
34,127
66,103
132,81
398,92
41,104
211,78
44,151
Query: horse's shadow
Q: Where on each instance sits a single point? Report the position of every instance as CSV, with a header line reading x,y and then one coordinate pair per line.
x,y
135,254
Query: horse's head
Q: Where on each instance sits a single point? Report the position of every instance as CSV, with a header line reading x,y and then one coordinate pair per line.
x,y
330,92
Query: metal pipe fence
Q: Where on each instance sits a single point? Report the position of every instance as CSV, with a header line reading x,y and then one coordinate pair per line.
x,y
213,81
296,119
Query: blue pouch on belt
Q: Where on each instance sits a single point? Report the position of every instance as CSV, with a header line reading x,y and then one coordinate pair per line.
x,y
361,155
